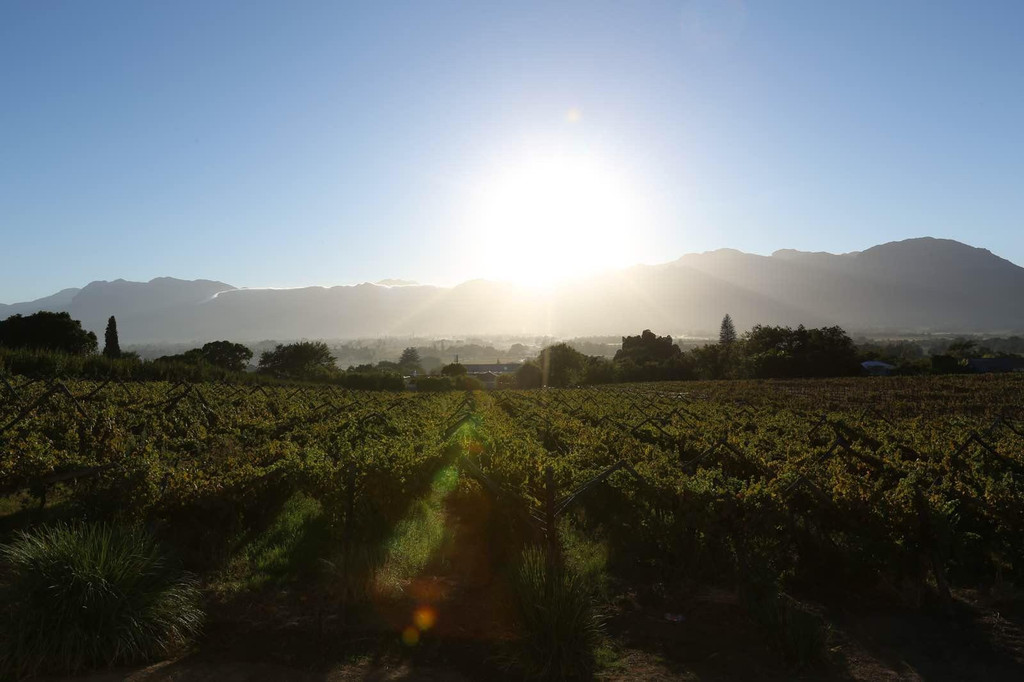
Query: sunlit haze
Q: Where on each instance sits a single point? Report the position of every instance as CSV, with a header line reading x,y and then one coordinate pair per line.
x,y
541,220
269,144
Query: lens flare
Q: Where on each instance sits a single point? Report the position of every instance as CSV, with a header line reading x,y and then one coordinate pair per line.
x,y
410,636
424,617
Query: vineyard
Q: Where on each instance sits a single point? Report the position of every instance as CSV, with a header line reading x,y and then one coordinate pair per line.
x,y
791,497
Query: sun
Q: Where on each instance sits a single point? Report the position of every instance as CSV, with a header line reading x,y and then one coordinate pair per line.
x,y
544,220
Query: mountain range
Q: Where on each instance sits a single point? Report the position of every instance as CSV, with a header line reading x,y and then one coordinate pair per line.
x,y
912,286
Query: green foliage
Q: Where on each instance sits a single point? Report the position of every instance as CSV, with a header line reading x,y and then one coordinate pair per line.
x,y
111,346
418,536
562,365
302,360
455,369
529,375
647,357
53,364
468,383
599,371
963,349
712,361
727,332
763,486
285,550
410,360
558,625
47,363
648,347
47,331
585,557
764,352
506,381
450,382
370,381
85,595
189,357
775,352
233,357
434,384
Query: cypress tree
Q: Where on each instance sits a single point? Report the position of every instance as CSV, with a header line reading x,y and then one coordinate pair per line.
x,y
727,334
111,347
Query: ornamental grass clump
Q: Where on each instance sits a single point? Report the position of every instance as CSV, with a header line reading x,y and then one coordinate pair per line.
x,y
80,596
559,625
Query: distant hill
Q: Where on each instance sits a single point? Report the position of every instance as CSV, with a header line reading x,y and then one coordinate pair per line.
x,y
57,302
917,285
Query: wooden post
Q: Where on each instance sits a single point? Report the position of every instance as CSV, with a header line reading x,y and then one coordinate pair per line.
x,y
346,539
551,529
930,541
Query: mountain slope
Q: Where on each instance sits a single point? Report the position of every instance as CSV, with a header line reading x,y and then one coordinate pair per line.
x,y
915,285
58,302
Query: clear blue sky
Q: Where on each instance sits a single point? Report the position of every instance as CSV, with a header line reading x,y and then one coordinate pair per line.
x,y
294,143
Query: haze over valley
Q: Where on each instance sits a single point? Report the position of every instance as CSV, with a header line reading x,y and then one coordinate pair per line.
x,y
914,286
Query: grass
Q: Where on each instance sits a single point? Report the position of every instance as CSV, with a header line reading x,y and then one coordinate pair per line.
x,y
559,627
80,596
418,536
585,557
287,549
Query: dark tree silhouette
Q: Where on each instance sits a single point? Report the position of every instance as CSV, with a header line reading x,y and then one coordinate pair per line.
x,y
410,359
647,357
781,352
962,348
47,331
304,360
224,354
727,333
648,347
111,346
562,365
529,376
454,370
230,356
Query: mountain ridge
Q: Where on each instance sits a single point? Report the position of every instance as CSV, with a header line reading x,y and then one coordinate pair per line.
x,y
917,285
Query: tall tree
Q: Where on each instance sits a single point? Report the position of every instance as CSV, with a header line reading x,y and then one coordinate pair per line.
x,y
454,370
47,331
111,346
303,360
648,347
529,375
410,359
727,333
230,356
562,365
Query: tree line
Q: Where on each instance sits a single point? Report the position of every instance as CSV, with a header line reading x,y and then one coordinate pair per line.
x,y
764,352
49,344
54,344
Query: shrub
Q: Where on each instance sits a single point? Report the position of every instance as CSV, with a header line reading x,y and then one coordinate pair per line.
x,y
434,384
559,627
796,633
78,596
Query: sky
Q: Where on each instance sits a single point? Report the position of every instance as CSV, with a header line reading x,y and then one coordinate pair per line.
x,y
298,143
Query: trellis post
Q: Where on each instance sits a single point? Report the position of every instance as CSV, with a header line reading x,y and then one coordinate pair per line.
x,y
551,528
